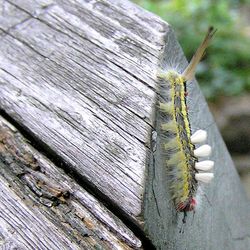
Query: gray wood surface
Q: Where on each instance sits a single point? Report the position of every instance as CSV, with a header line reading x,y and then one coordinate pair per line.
x,y
42,208
79,77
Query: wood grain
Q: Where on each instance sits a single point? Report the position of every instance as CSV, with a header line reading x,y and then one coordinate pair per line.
x,y
79,79
42,208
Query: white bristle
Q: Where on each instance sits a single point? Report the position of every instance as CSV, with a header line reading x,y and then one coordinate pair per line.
x,y
204,177
203,151
199,136
204,165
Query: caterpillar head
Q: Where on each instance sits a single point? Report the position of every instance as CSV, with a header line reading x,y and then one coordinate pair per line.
x,y
187,206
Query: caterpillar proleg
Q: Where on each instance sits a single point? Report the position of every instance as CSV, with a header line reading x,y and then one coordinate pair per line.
x,y
180,154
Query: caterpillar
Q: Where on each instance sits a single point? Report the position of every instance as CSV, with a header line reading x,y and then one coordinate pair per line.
x,y
179,151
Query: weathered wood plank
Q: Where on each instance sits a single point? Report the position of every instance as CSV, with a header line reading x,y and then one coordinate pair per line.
x,y
80,76
42,208
10,15
67,75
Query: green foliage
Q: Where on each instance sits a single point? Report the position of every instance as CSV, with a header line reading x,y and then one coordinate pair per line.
x,y
225,69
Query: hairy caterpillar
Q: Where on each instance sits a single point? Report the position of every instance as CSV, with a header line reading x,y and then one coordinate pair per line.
x,y
178,143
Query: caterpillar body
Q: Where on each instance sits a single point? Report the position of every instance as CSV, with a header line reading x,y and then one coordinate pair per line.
x,y
177,141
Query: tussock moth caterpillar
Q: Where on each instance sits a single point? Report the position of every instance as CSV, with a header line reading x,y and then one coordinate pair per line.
x,y
176,138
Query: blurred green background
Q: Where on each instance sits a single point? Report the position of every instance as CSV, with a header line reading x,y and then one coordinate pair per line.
x,y
225,69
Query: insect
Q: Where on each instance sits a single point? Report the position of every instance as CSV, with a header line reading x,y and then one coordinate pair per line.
x,y
181,156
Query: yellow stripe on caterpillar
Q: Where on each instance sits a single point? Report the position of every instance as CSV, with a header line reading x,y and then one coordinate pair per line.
x,y
179,80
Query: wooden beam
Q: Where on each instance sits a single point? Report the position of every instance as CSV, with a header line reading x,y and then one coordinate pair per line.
x,y
78,78
82,82
43,208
